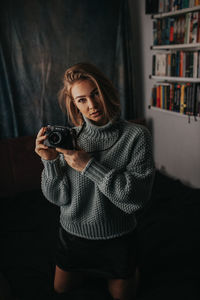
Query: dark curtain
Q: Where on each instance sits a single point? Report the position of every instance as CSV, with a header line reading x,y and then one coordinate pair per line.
x,y
39,39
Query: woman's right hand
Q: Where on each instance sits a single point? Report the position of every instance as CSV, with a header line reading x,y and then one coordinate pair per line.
x,y
44,151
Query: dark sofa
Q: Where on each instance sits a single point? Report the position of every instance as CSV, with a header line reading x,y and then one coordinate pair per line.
x,y
168,232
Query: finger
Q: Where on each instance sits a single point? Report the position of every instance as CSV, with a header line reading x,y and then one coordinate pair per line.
x,y
41,147
40,139
41,131
65,151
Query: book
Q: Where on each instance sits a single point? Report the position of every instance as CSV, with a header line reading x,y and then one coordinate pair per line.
x,y
181,63
161,6
187,28
182,99
185,100
159,32
171,31
193,100
153,96
194,27
198,101
155,36
168,68
158,96
160,69
198,28
195,64
182,35
153,64
171,96
198,65
173,64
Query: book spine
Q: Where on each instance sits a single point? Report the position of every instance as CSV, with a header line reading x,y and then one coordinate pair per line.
x,y
185,100
155,36
188,27
181,64
182,99
193,108
172,97
168,64
195,63
171,31
198,72
153,96
188,98
194,28
161,6
158,96
198,100
198,28
187,64
153,64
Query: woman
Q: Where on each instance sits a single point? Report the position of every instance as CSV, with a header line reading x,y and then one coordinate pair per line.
x,y
98,186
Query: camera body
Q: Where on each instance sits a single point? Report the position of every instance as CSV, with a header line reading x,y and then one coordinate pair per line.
x,y
60,137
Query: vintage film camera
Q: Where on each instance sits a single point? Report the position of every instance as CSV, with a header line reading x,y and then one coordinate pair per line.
x,y
60,137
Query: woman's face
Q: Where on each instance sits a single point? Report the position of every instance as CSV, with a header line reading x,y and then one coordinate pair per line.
x,y
87,100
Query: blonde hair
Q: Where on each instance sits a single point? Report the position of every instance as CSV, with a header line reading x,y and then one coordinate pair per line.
x,y
107,93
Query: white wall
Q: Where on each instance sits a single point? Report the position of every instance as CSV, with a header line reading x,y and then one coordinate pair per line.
x,y
176,143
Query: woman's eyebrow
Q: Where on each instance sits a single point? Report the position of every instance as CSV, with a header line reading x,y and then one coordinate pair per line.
x,y
93,91
82,96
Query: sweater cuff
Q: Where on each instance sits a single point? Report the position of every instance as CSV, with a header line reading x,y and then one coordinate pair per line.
x,y
95,171
52,167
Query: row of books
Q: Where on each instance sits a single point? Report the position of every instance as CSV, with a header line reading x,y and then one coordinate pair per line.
x,y
182,29
183,98
176,63
173,5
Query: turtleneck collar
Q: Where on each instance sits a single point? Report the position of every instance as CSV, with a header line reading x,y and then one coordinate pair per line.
x,y
97,138
93,126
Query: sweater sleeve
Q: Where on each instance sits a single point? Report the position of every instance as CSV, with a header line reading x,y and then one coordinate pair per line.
x,y
54,183
130,189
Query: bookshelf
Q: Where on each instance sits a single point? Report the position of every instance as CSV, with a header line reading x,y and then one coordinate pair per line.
x,y
176,46
176,13
176,62
175,79
173,113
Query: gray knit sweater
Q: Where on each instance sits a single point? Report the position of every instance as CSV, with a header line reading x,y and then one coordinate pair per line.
x,y
100,201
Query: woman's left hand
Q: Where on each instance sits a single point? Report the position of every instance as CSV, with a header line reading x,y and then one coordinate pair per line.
x,y
77,159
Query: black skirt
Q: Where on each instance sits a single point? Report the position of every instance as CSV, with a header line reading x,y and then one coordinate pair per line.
x,y
112,258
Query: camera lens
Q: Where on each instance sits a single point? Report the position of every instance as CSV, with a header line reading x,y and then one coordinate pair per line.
x,y
55,138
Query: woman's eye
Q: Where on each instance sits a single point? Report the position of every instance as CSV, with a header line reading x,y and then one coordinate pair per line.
x,y
96,93
81,100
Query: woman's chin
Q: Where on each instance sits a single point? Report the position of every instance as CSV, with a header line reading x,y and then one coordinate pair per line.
x,y
99,120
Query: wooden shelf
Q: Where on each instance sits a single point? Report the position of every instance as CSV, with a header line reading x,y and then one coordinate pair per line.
x,y
176,46
175,79
175,13
177,114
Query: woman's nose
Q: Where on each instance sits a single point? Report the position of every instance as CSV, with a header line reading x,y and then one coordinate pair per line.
x,y
91,103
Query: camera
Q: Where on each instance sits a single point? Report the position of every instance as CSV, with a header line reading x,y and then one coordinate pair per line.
x,y
60,137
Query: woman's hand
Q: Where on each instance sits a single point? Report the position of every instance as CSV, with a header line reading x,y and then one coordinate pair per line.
x,y
77,159
42,150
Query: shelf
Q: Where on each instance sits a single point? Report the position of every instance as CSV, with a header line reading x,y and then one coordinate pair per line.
x,y
176,46
173,113
179,79
177,12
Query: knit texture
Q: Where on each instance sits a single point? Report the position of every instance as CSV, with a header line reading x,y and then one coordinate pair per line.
x,y
100,201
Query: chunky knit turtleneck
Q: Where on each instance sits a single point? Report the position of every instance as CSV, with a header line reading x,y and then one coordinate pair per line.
x,y
100,201
98,138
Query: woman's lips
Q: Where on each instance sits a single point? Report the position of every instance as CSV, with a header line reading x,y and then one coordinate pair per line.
x,y
96,114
